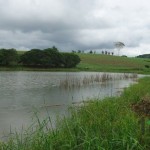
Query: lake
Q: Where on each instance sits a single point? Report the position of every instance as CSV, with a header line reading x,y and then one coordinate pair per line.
x,y
23,93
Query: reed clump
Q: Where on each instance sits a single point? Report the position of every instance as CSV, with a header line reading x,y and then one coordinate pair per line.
x,y
130,76
70,83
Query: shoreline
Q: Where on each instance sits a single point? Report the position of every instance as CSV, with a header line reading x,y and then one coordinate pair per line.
x,y
72,70
107,124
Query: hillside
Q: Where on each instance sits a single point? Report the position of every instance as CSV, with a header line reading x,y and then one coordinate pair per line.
x,y
99,62
103,63
144,56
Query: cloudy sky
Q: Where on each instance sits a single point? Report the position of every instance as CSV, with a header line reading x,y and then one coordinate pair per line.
x,y
76,24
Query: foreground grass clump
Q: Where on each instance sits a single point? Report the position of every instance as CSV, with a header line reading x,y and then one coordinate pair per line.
x,y
110,124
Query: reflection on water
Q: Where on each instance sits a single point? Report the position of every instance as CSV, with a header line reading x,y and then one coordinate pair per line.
x,y
21,92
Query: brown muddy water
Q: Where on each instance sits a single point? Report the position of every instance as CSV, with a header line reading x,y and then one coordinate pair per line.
x,y
50,93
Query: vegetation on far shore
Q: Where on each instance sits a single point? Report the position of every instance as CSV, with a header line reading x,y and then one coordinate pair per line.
x,y
101,124
52,60
144,56
109,63
36,58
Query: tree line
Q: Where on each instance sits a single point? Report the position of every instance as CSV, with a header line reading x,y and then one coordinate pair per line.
x,y
144,56
46,58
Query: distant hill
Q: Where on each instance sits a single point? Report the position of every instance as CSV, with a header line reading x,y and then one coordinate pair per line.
x,y
109,63
144,56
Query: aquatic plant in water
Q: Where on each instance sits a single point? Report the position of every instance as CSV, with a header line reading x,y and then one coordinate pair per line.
x,y
69,82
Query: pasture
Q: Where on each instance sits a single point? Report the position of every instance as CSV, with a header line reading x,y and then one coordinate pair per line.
x,y
99,62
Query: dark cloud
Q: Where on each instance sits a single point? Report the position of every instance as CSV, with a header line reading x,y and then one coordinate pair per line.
x,y
75,24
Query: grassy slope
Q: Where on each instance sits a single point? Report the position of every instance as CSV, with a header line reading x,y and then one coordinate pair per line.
x,y
108,124
98,62
21,52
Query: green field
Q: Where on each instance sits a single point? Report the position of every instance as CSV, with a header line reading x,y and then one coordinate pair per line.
x,y
99,62
21,52
96,62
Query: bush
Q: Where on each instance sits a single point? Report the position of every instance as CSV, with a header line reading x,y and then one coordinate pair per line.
x,y
53,57
33,58
8,57
147,66
70,60
49,57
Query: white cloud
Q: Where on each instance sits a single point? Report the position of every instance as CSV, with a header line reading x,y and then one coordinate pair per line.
x,y
76,24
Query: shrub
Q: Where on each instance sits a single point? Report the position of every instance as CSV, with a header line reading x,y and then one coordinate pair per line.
x,y
49,57
70,60
8,57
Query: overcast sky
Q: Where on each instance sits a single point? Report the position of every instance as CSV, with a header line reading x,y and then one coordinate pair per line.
x,y
76,24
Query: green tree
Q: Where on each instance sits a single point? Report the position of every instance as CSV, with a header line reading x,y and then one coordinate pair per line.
x,y
53,57
8,57
119,46
70,60
33,57
49,57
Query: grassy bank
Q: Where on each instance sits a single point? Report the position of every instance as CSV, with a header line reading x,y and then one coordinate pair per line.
x,y
110,124
99,62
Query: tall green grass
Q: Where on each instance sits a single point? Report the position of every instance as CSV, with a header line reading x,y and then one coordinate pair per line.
x,y
107,124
